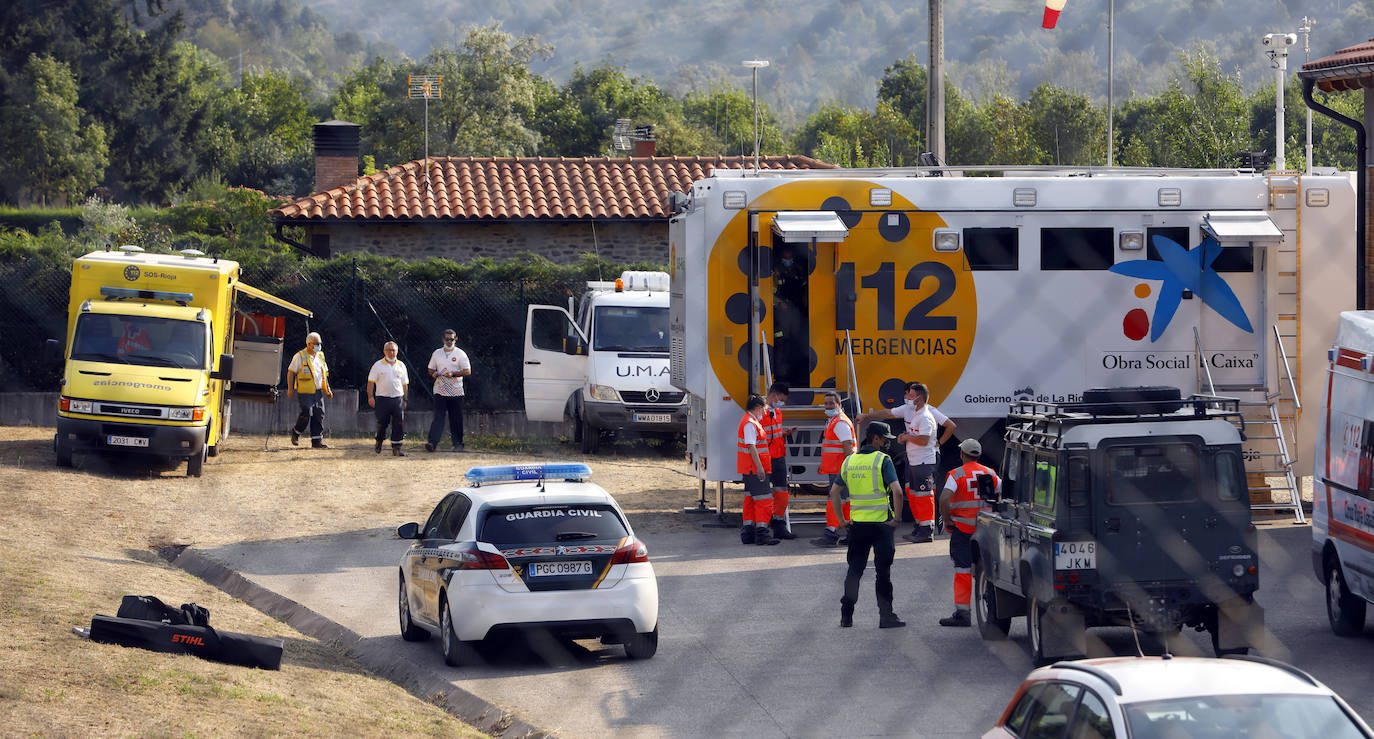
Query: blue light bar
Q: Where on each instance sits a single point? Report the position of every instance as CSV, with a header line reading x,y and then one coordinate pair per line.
x,y
572,471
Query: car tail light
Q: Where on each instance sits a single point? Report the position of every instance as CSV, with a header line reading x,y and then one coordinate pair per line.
x,y
633,550
473,558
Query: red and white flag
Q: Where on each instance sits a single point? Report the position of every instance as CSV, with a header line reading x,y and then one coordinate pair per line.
x,y
1052,8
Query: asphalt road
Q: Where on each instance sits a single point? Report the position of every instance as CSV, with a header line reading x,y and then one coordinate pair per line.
x,y
750,642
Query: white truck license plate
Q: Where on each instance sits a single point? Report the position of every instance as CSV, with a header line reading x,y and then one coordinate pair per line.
x,y
546,569
653,418
1075,555
126,441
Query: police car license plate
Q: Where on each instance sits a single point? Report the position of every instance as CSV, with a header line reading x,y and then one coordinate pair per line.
x,y
653,418
1075,555
126,440
548,569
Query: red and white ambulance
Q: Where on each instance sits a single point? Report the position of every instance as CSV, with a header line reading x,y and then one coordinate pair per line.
x,y
1343,481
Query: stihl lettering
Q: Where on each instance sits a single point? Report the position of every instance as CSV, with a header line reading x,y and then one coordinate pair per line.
x,y
188,639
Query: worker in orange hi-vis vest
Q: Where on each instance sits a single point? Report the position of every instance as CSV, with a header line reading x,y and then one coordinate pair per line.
x,y
753,464
777,453
959,502
837,443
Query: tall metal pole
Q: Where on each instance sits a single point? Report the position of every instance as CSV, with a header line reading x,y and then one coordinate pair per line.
x,y
756,65
1279,72
1306,30
935,82
1111,63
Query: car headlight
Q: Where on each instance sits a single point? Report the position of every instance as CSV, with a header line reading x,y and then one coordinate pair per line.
x,y
187,414
604,392
78,406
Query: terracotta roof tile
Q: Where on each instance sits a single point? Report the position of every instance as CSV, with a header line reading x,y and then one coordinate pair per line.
x,y
1350,68
476,188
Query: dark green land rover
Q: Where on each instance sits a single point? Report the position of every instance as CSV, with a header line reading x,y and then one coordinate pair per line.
x,y
1129,508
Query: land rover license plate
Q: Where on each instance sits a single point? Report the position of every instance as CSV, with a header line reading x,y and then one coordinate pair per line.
x,y
546,569
1075,555
126,440
653,418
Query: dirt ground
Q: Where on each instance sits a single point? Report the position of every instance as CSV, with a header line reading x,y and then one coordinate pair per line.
x,y
76,540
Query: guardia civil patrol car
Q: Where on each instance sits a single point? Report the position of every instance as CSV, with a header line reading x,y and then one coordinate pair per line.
x,y
527,547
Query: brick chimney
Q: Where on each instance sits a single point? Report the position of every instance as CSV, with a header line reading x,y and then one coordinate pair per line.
x,y
644,148
337,145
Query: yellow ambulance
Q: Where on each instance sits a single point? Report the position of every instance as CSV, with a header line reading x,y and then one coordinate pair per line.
x,y
150,355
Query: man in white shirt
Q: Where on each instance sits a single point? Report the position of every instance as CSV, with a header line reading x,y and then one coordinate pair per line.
x,y
448,365
387,383
922,421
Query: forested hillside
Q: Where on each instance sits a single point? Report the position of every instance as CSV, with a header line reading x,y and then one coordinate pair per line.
x,y
834,50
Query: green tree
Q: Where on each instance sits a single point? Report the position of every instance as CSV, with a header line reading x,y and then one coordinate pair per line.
x,y
998,131
578,119
854,138
1201,119
726,114
261,134
47,142
1067,127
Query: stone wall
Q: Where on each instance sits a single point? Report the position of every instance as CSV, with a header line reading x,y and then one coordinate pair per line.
x,y
563,243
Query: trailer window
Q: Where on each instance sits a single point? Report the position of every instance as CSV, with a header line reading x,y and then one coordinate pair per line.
x,y
1178,234
1076,248
1151,473
1231,258
991,248
1080,482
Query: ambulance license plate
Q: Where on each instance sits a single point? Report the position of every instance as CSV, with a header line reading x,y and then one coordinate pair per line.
x,y
550,569
126,440
1075,555
653,418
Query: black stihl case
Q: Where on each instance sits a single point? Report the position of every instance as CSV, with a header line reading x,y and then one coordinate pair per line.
x,y
148,631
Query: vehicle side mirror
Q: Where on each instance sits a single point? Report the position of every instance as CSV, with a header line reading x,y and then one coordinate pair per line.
x,y
575,346
408,530
226,368
987,488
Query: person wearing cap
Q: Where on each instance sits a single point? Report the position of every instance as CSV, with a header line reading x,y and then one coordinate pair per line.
x,y
875,510
959,503
307,380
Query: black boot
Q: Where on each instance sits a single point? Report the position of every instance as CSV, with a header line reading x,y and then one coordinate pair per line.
x,y
396,450
889,620
764,537
780,531
960,618
827,540
919,535
379,445
846,617
746,534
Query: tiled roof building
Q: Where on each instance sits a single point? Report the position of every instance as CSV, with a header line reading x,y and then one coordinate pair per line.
x,y
465,207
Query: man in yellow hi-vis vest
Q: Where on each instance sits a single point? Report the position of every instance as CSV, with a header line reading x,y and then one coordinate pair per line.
x,y
875,509
307,380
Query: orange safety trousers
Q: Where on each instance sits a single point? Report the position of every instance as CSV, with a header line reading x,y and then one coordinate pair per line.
x,y
779,504
757,511
922,506
831,521
963,588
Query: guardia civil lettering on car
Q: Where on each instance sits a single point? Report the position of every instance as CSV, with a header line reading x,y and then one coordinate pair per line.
x,y
1128,508
529,547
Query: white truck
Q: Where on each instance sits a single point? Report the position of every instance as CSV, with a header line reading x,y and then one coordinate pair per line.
x,y
604,362
1343,478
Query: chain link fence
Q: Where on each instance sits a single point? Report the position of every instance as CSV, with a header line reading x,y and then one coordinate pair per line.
x,y
355,313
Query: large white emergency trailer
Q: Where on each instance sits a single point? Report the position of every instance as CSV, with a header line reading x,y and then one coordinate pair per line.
x,y
1343,479
1013,285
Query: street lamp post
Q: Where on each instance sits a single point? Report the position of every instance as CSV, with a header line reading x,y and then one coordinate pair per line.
x,y
1306,30
1278,44
756,65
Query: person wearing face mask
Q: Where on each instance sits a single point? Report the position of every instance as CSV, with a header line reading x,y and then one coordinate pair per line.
x,y
753,464
448,365
875,500
387,383
837,443
307,380
777,453
922,421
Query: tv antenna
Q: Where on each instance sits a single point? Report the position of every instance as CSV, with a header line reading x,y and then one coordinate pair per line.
x,y
621,135
426,87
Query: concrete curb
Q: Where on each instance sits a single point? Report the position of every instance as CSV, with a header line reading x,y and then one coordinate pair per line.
x,y
376,658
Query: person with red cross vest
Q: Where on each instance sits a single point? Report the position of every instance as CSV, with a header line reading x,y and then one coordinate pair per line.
x,y
777,453
959,503
753,463
837,443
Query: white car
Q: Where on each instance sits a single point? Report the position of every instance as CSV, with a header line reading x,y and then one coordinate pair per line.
x,y
1236,697
527,547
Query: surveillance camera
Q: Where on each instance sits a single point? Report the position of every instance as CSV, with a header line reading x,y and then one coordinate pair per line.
x,y
1279,39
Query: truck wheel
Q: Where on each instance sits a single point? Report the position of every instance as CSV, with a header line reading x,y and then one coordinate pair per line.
x,y
1213,629
990,626
62,448
1344,609
591,437
196,462
1035,627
